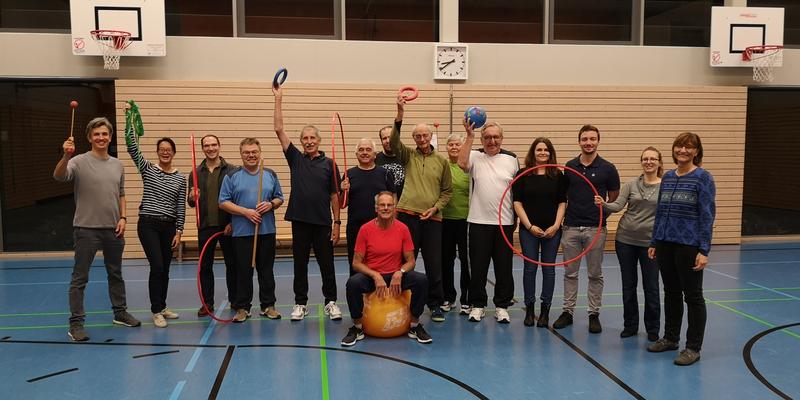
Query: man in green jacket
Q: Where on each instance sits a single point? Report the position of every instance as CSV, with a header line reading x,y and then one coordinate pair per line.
x,y
427,189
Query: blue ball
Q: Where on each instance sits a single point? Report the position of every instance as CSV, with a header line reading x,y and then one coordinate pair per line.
x,y
476,115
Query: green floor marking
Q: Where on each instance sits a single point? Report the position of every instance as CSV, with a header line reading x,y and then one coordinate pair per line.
x,y
323,355
753,318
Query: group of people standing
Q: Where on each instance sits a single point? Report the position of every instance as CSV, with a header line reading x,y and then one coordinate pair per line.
x,y
403,201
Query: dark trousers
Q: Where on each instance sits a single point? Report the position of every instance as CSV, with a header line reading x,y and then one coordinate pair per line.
x,y
207,264
454,240
352,233
304,237
544,250
681,284
427,236
359,284
265,261
486,245
629,255
87,243
156,238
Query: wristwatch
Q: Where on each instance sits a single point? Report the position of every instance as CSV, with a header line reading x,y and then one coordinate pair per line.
x,y
402,271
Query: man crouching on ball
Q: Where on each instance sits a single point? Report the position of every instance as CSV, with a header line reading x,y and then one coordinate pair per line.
x,y
384,263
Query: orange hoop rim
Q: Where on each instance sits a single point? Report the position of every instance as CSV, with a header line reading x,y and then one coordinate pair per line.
x,y
112,38
747,54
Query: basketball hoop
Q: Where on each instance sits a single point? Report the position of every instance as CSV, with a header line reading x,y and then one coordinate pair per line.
x,y
764,59
112,44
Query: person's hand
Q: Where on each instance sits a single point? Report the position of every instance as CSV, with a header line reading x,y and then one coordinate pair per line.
x,y
228,230
380,288
69,147
401,103
194,194
345,185
394,285
428,213
264,207
599,201
335,233
550,232
119,231
700,262
469,127
176,241
278,92
536,231
252,215
651,253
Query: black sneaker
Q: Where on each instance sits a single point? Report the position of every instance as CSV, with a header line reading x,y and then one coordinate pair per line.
x,y
201,312
626,333
544,317
353,335
662,345
564,320
126,319
594,324
437,315
77,333
652,336
418,332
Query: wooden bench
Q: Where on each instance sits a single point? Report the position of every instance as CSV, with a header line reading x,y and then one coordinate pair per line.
x,y
281,242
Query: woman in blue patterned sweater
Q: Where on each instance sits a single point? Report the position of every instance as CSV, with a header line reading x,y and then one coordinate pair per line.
x,y
681,241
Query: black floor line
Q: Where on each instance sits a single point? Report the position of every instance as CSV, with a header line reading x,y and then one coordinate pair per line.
x,y
6,338
748,360
156,354
51,375
440,374
599,366
109,340
221,374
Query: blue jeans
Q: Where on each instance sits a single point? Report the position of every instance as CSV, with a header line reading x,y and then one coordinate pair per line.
x,y
533,247
628,256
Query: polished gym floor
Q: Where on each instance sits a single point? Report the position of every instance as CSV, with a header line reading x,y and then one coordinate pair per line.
x,y
751,346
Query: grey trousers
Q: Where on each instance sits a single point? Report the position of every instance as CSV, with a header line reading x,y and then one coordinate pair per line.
x,y
574,241
87,242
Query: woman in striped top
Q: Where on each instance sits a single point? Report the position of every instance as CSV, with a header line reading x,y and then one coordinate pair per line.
x,y
681,241
161,218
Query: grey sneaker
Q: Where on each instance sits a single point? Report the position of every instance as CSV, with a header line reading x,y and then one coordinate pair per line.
x,y
662,345
77,333
687,357
126,319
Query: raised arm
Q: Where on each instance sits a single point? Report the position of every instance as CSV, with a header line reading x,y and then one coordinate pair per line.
x,y
60,172
397,146
278,118
466,147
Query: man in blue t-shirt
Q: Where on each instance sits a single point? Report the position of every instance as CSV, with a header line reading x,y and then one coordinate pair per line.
x,y
581,224
249,209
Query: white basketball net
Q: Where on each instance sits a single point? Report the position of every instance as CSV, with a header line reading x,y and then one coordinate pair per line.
x,y
113,45
764,60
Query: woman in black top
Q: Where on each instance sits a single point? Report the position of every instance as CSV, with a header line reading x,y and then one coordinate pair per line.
x,y
540,202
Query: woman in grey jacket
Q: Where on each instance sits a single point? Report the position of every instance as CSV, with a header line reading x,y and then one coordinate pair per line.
x,y
632,240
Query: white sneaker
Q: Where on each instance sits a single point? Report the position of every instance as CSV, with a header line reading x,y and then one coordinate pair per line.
x,y
476,314
446,307
465,309
332,310
502,315
299,312
159,321
169,314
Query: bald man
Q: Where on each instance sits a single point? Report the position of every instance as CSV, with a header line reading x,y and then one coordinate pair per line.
x,y
427,189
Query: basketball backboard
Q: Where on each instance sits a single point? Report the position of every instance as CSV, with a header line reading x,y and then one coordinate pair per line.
x,y
144,19
735,28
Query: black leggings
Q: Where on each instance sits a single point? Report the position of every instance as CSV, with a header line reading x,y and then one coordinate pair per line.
x,y
156,237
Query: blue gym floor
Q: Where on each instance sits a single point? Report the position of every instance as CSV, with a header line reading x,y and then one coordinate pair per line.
x,y
751,349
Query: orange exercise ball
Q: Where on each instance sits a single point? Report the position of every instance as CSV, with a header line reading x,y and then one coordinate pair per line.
x,y
387,317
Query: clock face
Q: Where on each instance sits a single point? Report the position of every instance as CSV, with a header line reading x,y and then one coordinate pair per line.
x,y
451,62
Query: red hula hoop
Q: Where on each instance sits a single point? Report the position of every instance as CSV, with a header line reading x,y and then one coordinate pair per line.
x,y
203,250
414,93
519,253
343,198
200,286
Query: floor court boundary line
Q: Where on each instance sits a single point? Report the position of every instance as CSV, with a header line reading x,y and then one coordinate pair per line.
x,y
597,365
748,360
223,368
204,339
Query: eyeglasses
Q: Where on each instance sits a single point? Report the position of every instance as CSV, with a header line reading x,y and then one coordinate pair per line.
x,y
685,147
421,136
251,153
166,151
650,159
492,138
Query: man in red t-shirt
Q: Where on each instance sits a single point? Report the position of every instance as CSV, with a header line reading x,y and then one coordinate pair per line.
x,y
384,262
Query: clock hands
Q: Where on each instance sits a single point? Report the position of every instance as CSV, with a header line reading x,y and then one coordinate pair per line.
x,y
442,66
